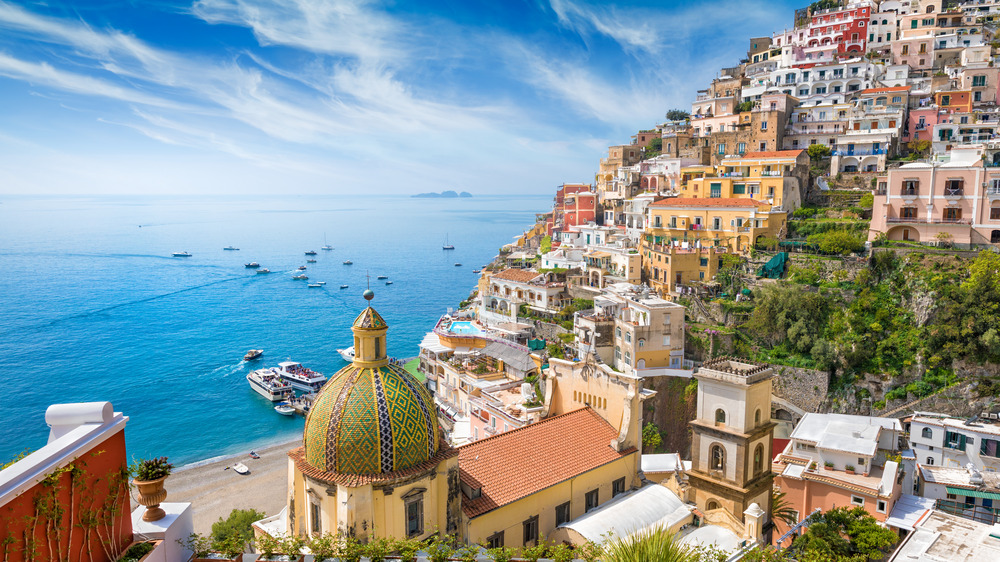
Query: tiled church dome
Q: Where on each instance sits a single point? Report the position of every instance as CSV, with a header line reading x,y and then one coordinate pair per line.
x,y
371,417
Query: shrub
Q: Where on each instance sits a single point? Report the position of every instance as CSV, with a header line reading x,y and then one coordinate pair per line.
x,y
136,552
804,212
239,523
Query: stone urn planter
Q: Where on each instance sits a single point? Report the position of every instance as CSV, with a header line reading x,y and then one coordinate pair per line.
x,y
151,495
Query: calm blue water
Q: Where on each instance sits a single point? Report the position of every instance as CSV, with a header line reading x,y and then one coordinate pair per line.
x,y
93,307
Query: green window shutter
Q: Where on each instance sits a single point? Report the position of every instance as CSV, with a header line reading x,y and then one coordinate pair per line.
x,y
739,189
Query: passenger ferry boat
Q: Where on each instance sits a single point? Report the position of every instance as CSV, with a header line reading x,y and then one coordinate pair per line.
x,y
269,384
300,377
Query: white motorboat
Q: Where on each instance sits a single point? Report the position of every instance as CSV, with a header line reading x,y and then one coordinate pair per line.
x,y
182,254
381,277
300,377
348,262
316,285
311,253
321,283
388,282
302,277
302,268
284,409
347,354
269,384
241,468
310,260
251,265
263,271
230,248
253,354
343,286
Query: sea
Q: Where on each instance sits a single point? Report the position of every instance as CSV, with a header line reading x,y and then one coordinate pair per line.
x,y
93,307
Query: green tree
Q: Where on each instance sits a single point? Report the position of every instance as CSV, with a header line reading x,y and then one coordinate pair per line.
x,y
867,201
818,151
545,246
677,115
845,533
654,543
840,242
781,510
651,439
238,524
919,147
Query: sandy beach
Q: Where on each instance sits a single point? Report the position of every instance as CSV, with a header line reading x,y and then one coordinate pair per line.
x,y
214,491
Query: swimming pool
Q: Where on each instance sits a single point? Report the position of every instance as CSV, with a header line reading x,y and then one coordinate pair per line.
x,y
464,328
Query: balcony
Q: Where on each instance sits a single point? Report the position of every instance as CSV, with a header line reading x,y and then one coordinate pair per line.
x,y
932,220
859,152
955,192
909,192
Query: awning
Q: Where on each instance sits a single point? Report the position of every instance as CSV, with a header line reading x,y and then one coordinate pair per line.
x,y
972,493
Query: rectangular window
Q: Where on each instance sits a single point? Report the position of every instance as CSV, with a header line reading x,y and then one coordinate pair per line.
x,y
945,100
977,96
618,487
314,515
906,48
858,501
763,125
908,213
715,190
979,80
530,530
562,514
704,262
739,189
495,540
994,213
954,214
590,500
666,339
415,516
721,148
741,148
880,506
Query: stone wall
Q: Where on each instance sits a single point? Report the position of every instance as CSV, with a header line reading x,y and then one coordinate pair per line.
x,y
671,410
806,388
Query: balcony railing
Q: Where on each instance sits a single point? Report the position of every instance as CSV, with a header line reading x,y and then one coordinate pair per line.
x,y
932,220
859,152
909,192
954,192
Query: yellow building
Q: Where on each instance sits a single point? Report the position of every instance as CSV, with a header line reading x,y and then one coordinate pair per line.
x,y
373,462
777,178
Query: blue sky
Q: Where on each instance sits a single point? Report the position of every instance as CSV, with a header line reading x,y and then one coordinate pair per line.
x,y
354,96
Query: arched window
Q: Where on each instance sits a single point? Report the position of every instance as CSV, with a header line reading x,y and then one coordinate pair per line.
x,y
712,504
718,458
758,459
756,417
720,416
926,433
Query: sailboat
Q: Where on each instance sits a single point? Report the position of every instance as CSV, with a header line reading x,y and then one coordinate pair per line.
x,y
326,246
447,246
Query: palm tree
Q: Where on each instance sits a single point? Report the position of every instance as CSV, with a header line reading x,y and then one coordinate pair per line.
x,y
781,510
655,544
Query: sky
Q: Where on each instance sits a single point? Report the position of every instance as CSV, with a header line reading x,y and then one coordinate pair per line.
x,y
347,96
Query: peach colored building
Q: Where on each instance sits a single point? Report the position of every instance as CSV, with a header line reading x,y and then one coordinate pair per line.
x,y
837,460
956,199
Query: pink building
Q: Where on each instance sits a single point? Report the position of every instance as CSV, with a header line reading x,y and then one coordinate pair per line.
x,y
956,199
921,123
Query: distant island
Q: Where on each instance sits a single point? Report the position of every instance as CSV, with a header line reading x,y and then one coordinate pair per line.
x,y
444,194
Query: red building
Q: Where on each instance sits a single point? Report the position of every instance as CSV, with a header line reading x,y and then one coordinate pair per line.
x,y
847,27
566,197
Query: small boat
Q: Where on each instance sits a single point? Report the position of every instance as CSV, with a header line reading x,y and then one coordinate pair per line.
x,y
310,260
343,286
477,270
230,248
251,265
253,354
348,262
262,271
302,268
301,277
321,283
241,468
327,248
311,253
284,409
380,277
182,254
269,384
315,285
446,245
388,282
254,455
458,265
347,354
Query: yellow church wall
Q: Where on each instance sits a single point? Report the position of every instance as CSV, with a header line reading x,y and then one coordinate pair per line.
x,y
390,509
510,518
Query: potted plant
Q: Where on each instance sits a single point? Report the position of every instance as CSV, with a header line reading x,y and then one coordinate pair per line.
x,y
285,549
849,468
324,548
138,551
207,549
828,465
148,476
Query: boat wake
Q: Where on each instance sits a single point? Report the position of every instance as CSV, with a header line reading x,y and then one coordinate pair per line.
x,y
228,370
116,306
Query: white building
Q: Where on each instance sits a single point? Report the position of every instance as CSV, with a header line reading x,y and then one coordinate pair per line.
x,y
938,440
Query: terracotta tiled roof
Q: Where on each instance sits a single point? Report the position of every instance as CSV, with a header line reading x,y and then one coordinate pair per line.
x,y
517,275
515,464
885,90
354,480
705,202
773,154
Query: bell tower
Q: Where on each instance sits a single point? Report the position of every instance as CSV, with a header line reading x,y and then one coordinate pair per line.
x,y
731,437
369,337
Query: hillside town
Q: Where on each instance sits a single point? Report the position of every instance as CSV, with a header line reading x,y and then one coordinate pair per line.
x,y
741,334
